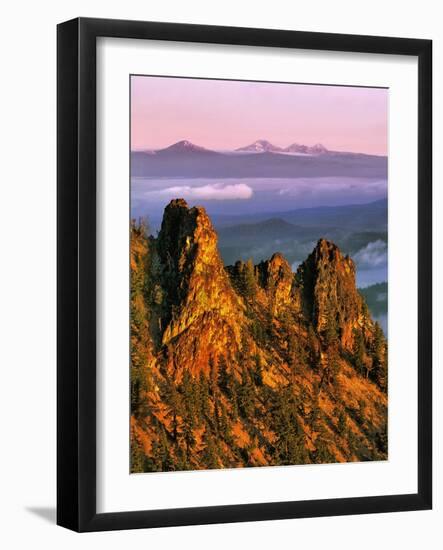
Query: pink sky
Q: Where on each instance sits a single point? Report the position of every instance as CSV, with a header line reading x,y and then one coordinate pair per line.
x,y
221,114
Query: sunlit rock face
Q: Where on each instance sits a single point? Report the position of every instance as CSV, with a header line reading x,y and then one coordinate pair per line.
x,y
326,282
205,313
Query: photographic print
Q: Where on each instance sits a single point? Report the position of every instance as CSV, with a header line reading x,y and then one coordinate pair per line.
x,y
258,270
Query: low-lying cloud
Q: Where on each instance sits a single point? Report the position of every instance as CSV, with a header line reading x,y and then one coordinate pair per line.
x,y
211,191
373,255
324,188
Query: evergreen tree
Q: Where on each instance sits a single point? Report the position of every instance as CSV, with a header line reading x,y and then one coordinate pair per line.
x,y
203,393
233,393
380,372
341,422
330,332
137,456
213,377
334,370
224,424
249,282
315,414
258,371
223,376
187,438
382,440
140,373
174,400
314,357
322,453
358,351
246,395
161,457
258,332
289,446
209,458
361,412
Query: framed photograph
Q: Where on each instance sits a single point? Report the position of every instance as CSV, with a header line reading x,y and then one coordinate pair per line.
x,y
244,274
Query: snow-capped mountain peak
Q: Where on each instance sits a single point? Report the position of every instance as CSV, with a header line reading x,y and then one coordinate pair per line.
x,y
261,146
317,149
184,145
265,146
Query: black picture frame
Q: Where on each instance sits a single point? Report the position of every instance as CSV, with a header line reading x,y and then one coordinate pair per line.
x,y
76,281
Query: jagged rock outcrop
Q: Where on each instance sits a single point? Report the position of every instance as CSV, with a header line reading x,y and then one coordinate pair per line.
x,y
249,365
203,313
326,284
276,278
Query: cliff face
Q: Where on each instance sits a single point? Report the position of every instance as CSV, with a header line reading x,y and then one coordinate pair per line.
x,y
249,365
203,315
276,278
327,290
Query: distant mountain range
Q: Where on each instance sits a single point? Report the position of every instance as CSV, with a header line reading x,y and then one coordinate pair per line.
x,y
258,146
257,236
264,146
370,216
259,159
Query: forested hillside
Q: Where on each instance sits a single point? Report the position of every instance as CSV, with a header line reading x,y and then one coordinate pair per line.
x,y
249,365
